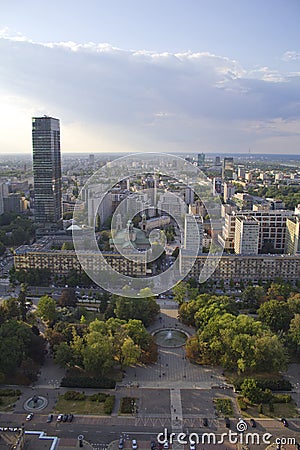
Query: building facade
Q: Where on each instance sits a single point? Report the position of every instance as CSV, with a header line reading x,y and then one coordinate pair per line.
x,y
246,236
47,174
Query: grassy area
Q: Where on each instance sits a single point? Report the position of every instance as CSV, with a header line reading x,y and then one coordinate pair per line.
x,y
86,406
7,403
280,410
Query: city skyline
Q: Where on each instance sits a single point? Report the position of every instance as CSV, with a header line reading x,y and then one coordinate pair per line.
x,y
153,77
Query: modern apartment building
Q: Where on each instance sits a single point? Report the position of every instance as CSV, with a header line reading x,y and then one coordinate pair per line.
x,y
293,235
272,229
193,234
246,236
47,174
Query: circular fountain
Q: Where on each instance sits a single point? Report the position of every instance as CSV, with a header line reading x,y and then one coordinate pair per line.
x,y
170,337
35,403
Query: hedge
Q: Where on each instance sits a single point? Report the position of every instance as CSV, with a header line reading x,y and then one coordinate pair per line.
x,y
99,397
275,384
10,392
87,382
282,398
109,404
74,395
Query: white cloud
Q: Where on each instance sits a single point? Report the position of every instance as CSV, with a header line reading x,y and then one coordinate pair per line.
x,y
143,100
291,56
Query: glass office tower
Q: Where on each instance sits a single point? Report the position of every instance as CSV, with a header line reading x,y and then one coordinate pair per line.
x,y
47,174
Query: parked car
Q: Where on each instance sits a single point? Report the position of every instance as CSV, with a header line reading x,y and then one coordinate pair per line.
x,y
70,417
205,422
166,445
60,417
65,417
153,445
252,423
192,446
227,422
29,417
121,443
285,423
49,418
134,444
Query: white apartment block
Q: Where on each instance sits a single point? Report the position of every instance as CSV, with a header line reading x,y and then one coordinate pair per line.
x,y
193,234
246,236
272,228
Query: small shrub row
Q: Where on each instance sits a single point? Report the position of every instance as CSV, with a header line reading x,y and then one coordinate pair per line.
x,y
109,404
275,384
74,395
99,397
10,392
282,398
87,382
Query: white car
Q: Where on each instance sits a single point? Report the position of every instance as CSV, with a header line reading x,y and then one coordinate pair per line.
x,y
60,417
166,444
29,417
134,445
192,446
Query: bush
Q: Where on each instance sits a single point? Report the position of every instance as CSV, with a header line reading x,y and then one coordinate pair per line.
x,y
275,384
109,404
260,408
10,392
224,406
100,397
282,398
242,404
127,405
74,395
87,382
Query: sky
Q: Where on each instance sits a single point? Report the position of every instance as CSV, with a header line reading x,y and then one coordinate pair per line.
x,y
152,75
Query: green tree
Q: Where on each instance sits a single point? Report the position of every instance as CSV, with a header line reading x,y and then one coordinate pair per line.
x,y
64,355
98,354
276,315
130,353
180,292
46,309
251,391
67,298
252,296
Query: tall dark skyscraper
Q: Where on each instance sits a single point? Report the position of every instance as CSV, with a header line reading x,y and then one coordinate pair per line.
x,y
47,174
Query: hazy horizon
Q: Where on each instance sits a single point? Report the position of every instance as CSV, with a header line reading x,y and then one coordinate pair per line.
x,y
135,76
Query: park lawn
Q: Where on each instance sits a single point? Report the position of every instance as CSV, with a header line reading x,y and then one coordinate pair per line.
x,y
7,403
287,410
78,407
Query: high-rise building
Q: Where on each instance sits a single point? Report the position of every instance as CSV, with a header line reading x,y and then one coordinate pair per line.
x,y
293,235
193,234
227,168
47,174
246,236
200,159
229,191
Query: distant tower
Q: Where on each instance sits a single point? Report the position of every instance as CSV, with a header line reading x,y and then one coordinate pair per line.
x,y
201,159
47,174
91,159
144,222
119,225
227,168
193,233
